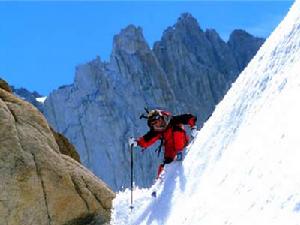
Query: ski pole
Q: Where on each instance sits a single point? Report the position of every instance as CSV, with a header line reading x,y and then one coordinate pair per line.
x,y
131,176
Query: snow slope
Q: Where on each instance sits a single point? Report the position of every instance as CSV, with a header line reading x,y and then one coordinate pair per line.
x,y
244,167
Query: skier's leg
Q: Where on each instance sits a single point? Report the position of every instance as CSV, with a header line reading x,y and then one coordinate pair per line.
x,y
160,175
168,160
160,169
161,166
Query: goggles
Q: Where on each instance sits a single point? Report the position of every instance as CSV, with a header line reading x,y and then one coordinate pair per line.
x,y
154,118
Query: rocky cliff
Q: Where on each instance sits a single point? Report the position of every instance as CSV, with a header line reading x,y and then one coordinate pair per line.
x,y
40,185
243,46
188,70
197,63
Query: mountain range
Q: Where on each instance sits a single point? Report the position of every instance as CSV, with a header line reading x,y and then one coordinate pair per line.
x,y
188,70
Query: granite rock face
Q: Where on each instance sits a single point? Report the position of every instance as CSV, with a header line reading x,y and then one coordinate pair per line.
x,y
188,70
39,185
244,46
100,110
199,65
65,147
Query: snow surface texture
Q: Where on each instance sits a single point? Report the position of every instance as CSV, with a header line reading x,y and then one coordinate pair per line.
x,y
245,163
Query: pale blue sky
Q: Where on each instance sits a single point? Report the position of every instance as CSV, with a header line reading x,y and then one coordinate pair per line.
x,y
42,42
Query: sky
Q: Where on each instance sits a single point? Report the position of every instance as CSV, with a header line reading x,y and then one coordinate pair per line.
x,y
41,43
243,167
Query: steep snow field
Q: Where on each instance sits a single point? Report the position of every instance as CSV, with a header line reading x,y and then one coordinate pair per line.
x,y
244,167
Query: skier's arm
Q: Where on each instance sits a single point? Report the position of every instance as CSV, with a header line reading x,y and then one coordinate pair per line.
x,y
148,139
186,119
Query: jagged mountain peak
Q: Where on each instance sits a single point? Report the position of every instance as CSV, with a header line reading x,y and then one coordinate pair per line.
x,y
130,40
24,92
131,31
212,34
241,40
187,20
186,24
239,33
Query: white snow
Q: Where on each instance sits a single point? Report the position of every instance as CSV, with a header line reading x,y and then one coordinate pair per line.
x,y
41,99
244,167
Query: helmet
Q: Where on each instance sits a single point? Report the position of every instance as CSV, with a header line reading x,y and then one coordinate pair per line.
x,y
158,119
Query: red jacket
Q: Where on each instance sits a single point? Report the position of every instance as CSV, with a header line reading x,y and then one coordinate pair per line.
x,y
174,136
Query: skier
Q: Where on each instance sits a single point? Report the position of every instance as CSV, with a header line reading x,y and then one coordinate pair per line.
x,y
170,130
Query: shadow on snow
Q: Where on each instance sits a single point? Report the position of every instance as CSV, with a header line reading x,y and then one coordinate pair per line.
x,y
158,210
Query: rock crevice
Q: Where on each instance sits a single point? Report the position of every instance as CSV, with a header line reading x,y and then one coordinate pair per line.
x,y
39,174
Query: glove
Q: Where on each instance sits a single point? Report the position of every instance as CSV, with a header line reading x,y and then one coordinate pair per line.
x,y
194,132
132,142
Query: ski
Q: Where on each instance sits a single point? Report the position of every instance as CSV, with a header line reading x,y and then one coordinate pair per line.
x,y
158,184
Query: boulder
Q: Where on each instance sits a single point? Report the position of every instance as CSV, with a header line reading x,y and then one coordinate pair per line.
x,y
40,185
4,85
